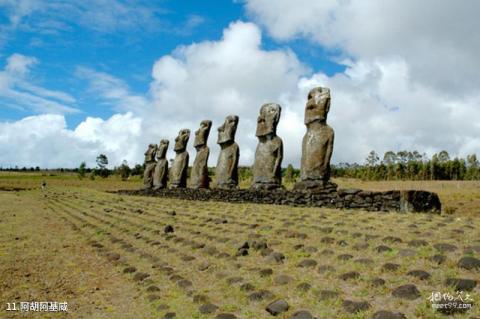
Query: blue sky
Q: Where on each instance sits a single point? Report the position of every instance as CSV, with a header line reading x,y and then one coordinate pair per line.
x,y
127,53
79,78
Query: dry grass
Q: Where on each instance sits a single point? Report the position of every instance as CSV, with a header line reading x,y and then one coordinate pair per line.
x,y
74,238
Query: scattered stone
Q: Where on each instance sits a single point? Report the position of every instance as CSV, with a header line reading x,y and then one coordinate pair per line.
x,y
325,268
461,284
327,240
408,291
444,247
344,257
364,261
139,276
168,229
276,257
377,282
349,275
153,288
203,266
266,272
392,239
277,307
225,316
469,263
169,315
128,270
307,263
207,308
304,286
439,259
282,279
162,307
420,274
247,287
260,295
184,283
310,249
302,314
242,252
113,256
417,243
265,252
383,314
382,248
327,294
355,306
390,267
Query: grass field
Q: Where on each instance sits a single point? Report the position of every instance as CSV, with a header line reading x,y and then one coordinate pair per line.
x,y
112,256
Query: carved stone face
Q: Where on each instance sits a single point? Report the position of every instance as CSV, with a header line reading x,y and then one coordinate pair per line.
x,y
162,149
151,149
268,119
181,140
318,105
226,132
201,135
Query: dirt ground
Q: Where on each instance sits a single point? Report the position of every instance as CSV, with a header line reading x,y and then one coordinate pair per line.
x,y
111,256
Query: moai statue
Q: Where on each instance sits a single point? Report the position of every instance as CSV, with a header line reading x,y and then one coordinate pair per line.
x,y
149,166
199,177
267,173
160,174
226,172
317,146
180,164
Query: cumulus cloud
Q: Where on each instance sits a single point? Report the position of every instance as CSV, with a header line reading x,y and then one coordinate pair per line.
x,y
45,141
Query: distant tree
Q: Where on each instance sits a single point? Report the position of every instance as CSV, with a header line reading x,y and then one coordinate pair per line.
x,y
472,167
82,170
289,173
443,157
124,170
102,162
137,170
37,168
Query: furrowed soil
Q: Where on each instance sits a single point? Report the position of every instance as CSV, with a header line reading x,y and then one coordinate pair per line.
x,y
112,256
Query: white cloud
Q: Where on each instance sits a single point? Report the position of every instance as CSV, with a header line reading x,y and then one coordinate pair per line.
x,y
18,91
45,140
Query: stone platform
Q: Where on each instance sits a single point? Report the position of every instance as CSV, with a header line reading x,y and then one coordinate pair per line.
x,y
399,201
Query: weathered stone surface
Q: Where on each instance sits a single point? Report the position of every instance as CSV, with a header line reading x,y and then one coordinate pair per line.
x,y
277,307
384,314
355,306
317,145
149,166
420,201
269,153
199,176
226,172
409,292
461,284
469,263
180,163
302,314
160,174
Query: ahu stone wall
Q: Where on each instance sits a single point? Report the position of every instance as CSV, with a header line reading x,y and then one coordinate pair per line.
x,y
399,201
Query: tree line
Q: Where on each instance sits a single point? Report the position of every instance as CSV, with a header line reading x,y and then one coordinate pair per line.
x,y
411,165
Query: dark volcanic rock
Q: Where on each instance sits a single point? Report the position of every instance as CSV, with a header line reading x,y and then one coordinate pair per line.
x,y
304,286
325,268
390,267
266,272
302,314
307,263
417,243
377,282
277,307
469,263
439,259
350,275
408,291
384,314
282,279
445,247
344,257
128,270
247,287
168,229
225,315
139,276
260,295
276,257
382,248
461,284
207,308
420,274
355,306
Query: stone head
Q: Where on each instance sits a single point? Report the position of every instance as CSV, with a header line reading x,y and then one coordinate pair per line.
x,y
151,149
181,140
226,132
268,119
318,105
162,149
201,135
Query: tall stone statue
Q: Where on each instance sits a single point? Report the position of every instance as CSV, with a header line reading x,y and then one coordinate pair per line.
x,y
199,177
226,172
317,145
180,164
267,173
160,174
149,166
